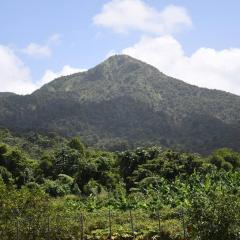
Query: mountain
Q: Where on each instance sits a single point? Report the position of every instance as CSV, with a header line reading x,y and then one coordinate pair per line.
x,y
6,94
124,101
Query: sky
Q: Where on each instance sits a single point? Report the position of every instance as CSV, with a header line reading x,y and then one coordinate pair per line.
x,y
195,41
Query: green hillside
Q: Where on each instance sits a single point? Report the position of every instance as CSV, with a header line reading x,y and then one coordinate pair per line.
x,y
123,103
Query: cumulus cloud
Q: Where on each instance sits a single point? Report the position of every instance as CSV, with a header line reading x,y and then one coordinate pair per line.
x,y
50,75
16,76
206,67
37,50
42,50
125,15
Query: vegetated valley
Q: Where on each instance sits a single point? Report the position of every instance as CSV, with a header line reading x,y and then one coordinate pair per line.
x,y
121,151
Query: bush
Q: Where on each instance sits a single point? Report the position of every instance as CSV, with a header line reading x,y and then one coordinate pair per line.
x,y
215,216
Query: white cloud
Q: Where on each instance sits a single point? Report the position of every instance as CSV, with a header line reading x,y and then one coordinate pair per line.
x,y
206,67
42,50
37,50
50,75
125,15
15,76
55,39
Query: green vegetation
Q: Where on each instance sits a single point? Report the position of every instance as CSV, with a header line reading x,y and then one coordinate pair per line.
x,y
124,103
58,188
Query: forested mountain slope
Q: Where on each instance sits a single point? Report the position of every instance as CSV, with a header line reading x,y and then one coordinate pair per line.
x,y
125,102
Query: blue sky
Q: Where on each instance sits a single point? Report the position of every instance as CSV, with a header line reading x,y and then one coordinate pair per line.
x,y
197,41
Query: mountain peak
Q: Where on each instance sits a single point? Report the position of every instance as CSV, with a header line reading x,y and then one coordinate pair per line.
x,y
121,57
116,77
112,70
119,60
125,99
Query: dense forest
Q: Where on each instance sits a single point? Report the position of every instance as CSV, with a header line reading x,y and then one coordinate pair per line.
x,y
58,188
124,103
